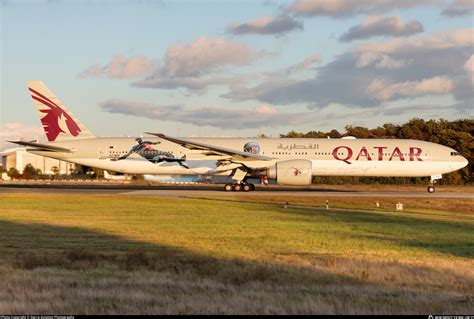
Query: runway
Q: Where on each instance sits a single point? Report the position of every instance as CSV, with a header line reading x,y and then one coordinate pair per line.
x,y
180,193
174,191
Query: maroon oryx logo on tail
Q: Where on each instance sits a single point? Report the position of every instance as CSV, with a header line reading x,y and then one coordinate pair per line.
x,y
54,114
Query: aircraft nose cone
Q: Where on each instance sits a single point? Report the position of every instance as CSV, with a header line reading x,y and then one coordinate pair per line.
x,y
464,162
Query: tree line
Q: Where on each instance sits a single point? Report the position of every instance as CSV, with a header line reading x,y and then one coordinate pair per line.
x,y
455,134
77,172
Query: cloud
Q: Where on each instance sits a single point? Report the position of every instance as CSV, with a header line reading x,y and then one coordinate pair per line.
x,y
374,26
284,75
121,67
194,84
464,85
379,61
347,8
191,83
459,8
19,131
92,72
205,54
469,65
306,64
275,26
451,39
382,111
261,116
469,68
270,79
264,91
433,64
382,90
336,8
193,66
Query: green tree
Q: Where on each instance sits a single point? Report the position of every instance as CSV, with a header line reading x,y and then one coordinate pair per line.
x,y
30,172
334,134
13,173
55,170
358,131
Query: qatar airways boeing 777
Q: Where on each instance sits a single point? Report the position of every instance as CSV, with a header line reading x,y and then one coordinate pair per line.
x,y
288,161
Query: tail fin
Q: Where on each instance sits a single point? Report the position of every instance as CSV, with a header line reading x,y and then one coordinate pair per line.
x,y
58,122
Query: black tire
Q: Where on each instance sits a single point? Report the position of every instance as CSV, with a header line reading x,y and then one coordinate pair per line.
x,y
247,188
228,187
252,187
431,189
238,187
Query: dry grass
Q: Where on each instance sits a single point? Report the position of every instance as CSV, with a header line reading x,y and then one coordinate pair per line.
x,y
171,293
325,286
142,255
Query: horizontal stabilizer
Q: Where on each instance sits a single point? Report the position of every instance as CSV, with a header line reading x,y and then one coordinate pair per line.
x,y
43,147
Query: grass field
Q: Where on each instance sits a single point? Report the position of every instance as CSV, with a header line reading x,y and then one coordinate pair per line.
x,y
457,207
109,254
398,188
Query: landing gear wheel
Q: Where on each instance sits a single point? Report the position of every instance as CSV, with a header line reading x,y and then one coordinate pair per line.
x,y
252,187
247,187
431,189
238,187
229,187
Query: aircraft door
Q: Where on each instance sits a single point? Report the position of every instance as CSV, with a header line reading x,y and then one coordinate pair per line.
x,y
102,154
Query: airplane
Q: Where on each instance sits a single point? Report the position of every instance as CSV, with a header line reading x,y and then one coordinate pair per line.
x,y
289,161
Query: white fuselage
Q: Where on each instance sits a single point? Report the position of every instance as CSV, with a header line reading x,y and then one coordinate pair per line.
x,y
329,157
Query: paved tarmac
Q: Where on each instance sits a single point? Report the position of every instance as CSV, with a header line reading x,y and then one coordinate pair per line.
x,y
174,191
181,193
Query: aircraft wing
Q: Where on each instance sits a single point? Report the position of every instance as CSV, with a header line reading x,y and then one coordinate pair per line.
x,y
212,149
42,147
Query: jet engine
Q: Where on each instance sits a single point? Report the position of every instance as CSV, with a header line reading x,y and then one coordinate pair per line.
x,y
292,172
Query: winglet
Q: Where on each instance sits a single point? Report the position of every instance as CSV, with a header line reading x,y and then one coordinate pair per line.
x,y
160,135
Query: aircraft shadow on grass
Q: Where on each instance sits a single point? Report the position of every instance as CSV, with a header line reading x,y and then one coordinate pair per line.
x,y
31,246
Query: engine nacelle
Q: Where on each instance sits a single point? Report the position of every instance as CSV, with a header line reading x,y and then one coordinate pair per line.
x,y
292,172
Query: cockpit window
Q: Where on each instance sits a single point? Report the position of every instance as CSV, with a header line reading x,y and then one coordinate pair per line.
x,y
455,154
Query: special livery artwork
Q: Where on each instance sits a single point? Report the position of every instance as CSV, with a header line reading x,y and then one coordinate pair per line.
x,y
145,150
252,147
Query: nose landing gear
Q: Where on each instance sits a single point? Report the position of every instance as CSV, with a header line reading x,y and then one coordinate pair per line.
x,y
433,179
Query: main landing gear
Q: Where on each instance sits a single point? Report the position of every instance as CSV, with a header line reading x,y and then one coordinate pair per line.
x,y
237,187
239,177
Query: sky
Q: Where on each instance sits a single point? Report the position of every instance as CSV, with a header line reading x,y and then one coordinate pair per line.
x,y
236,68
